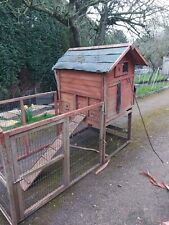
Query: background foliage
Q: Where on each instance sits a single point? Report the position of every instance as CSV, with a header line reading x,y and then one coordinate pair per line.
x,y
29,46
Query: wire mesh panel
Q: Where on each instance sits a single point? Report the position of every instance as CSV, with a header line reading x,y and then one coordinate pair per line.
x,y
117,134
10,115
4,194
84,144
4,200
26,110
45,158
38,172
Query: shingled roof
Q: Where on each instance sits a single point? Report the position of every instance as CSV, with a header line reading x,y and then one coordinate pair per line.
x,y
98,59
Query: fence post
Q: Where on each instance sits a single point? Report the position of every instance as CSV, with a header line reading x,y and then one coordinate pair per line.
x,y
102,138
23,120
10,179
66,149
129,125
56,104
23,117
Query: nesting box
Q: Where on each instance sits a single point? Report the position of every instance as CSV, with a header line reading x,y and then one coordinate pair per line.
x,y
89,75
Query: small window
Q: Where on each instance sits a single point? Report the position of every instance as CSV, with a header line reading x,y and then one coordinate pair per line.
x,y
125,67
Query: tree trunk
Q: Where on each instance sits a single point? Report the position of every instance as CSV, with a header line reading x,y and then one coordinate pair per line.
x,y
100,37
75,39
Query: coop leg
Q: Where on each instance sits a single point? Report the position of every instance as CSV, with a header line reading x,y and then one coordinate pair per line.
x,y
129,126
102,142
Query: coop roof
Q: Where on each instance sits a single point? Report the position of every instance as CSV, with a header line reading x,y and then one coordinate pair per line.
x,y
98,59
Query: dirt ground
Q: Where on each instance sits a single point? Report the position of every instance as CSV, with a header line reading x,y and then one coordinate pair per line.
x,y
119,195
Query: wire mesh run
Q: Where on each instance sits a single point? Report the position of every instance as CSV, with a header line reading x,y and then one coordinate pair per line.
x,y
48,156
117,134
84,151
26,110
4,199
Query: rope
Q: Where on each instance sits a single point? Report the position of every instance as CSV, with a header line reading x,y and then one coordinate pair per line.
x,y
145,128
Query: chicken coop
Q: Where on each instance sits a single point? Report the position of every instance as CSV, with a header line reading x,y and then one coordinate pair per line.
x,y
47,146
98,74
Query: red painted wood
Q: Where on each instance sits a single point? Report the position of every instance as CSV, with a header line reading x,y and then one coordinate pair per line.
x,y
80,88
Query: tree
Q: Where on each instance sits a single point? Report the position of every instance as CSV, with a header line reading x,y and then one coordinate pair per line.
x,y
131,14
155,46
29,46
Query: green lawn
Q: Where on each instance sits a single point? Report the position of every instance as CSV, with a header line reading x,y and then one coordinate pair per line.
x,y
145,89
32,120
144,78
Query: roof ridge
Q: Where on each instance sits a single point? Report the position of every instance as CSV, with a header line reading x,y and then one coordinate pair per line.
x,y
101,47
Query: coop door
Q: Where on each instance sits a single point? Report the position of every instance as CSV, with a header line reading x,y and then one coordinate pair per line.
x,y
68,102
118,96
81,102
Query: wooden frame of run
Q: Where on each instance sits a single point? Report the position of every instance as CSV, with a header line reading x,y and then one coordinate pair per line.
x,y
12,179
8,150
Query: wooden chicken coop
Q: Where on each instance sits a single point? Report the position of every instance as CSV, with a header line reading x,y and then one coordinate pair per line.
x,y
42,158
89,75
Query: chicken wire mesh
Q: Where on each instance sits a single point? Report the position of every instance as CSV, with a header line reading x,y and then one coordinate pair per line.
x,y
42,157
117,134
16,112
4,199
42,146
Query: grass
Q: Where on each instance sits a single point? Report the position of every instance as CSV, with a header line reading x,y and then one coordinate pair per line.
x,y
145,89
32,120
144,78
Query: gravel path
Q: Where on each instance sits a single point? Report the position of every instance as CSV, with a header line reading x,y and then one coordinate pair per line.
x,y
120,195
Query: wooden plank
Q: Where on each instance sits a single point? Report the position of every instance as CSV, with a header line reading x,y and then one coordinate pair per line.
x,y
80,86
118,149
88,92
43,201
81,75
4,212
66,149
77,80
68,102
23,117
56,106
29,127
101,47
26,97
82,95
41,167
16,169
83,148
102,135
10,178
129,126
37,168
50,152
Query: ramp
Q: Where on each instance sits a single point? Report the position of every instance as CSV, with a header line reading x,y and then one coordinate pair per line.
x,y
49,153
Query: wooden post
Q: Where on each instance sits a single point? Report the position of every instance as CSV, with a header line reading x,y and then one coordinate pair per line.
x,y
129,126
10,179
102,141
56,104
23,118
66,149
16,169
